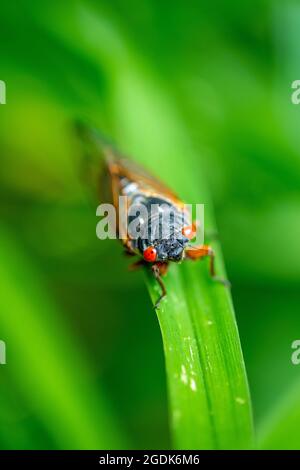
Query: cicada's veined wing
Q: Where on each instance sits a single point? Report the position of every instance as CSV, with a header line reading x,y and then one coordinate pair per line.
x,y
98,149
144,180
96,168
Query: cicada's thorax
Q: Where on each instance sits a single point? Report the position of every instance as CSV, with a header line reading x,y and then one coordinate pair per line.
x,y
154,220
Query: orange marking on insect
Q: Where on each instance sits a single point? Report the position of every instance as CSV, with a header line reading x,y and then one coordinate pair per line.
x,y
189,231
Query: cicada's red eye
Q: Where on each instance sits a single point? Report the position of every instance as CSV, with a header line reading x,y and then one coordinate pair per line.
x,y
189,231
150,254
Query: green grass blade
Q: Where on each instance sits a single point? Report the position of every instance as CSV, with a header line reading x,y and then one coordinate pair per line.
x,y
209,399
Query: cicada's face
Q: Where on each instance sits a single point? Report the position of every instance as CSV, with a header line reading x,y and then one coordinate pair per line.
x,y
165,250
163,236
171,250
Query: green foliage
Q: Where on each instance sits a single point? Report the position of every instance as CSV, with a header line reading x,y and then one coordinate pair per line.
x,y
200,95
46,363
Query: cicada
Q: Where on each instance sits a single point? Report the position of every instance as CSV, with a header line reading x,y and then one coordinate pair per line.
x,y
142,192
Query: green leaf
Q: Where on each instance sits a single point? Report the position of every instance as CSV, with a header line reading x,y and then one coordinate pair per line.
x,y
209,399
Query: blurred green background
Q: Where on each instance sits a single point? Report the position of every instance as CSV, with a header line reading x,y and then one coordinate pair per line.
x,y
85,365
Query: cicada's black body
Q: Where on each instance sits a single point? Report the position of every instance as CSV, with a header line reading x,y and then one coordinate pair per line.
x,y
166,216
162,229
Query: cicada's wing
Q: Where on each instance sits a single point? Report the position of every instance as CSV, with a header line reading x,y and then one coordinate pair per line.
x,y
99,149
95,166
91,161
145,181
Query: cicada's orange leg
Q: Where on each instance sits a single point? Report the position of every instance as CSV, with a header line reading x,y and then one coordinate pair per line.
x,y
159,270
199,252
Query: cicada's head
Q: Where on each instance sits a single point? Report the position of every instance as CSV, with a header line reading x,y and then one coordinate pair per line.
x,y
165,250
